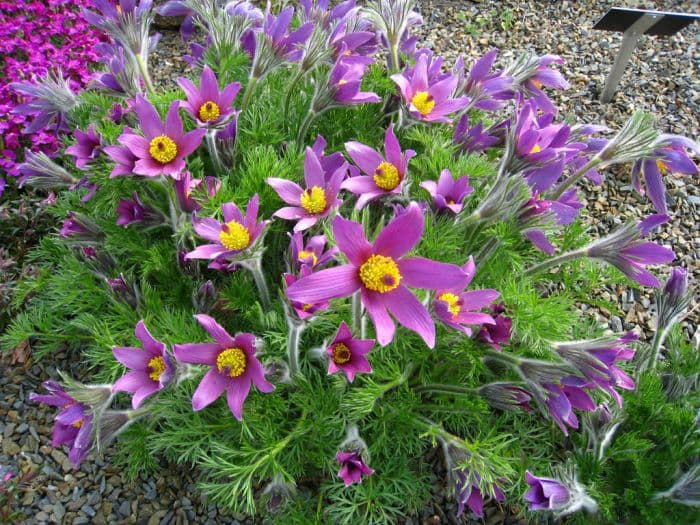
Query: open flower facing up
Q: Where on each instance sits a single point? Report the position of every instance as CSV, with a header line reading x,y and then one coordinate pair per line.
x,y
319,198
231,237
207,105
448,193
163,148
381,273
384,175
347,354
352,467
312,254
428,101
233,366
151,368
73,423
88,147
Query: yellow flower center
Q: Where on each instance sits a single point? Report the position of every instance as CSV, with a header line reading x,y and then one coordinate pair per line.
x,y
78,423
234,236
537,83
341,354
306,307
304,255
118,8
380,274
314,200
386,176
163,149
452,301
535,149
209,111
156,366
232,361
423,102
342,81
661,165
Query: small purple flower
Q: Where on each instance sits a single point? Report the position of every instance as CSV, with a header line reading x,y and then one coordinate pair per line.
x,y
73,423
486,90
473,139
329,163
546,493
352,467
124,291
496,335
316,201
384,175
531,73
88,147
506,396
677,285
79,227
312,254
469,494
151,368
563,397
448,193
123,157
233,367
163,148
185,186
207,105
303,310
117,113
286,45
133,211
347,354
345,81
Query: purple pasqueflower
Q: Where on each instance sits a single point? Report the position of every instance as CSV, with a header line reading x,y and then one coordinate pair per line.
x,y
498,334
286,45
231,237
469,494
385,175
329,163
347,354
79,227
233,366
132,211
163,148
345,81
123,157
303,310
124,291
448,193
670,156
563,397
677,285
473,139
352,467
151,367
426,101
486,90
319,198
546,493
456,308
176,8
50,99
531,73
312,253
207,105
185,186
73,424
381,273
506,396
538,212
87,148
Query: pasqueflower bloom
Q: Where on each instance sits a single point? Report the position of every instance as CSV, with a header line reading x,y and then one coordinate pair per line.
x,y
329,163
562,398
506,396
546,493
207,105
231,237
312,254
132,211
163,148
469,494
79,227
347,354
345,81
486,90
73,423
123,157
39,171
538,212
234,366
352,467
496,335
530,73
316,201
87,148
185,186
151,368
381,274
287,46
384,175
473,139
124,291
448,193
51,98
303,310
427,101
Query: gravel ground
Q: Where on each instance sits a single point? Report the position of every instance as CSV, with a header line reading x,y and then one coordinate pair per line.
x,y
662,77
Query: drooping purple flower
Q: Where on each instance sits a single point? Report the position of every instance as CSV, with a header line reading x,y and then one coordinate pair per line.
x,y
163,148
563,397
303,310
546,493
347,354
151,367
312,254
426,101
207,105
79,227
122,76
50,100
473,139
506,396
233,363
382,275
73,424
352,467
133,211
39,171
448,193
531,73
319,198
469,494
385,175
186,187
124,291
88,147
496,335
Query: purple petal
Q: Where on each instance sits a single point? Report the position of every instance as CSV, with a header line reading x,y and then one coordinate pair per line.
x,y
236,396
365,157
332,283
197,353
290,192
132,381
132,357
209,390
418,272
383,325
217,331
401,234
411,313
351,240
142,393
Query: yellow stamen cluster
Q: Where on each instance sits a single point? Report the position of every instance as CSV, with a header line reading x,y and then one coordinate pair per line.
x,y
314,200
537,83
423,102
163,149
234,236
156,367
663,168
341,354
78,423
232,361
209,111
452,301
535,149
380,274
342,81
304,255
386,176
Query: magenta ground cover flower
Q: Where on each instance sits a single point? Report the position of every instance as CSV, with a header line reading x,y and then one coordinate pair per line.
x,y
87,148
233,363
207,105
546,493
312,254
319,198
385,175
448,193
163,148
151,367
352,467
347,354
381,273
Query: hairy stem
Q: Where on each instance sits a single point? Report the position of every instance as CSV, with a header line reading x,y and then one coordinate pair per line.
x,y
248,93
295,329
564,257
574,178
254,266
143,68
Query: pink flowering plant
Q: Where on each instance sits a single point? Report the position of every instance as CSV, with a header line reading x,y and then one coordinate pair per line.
x,y
348,266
